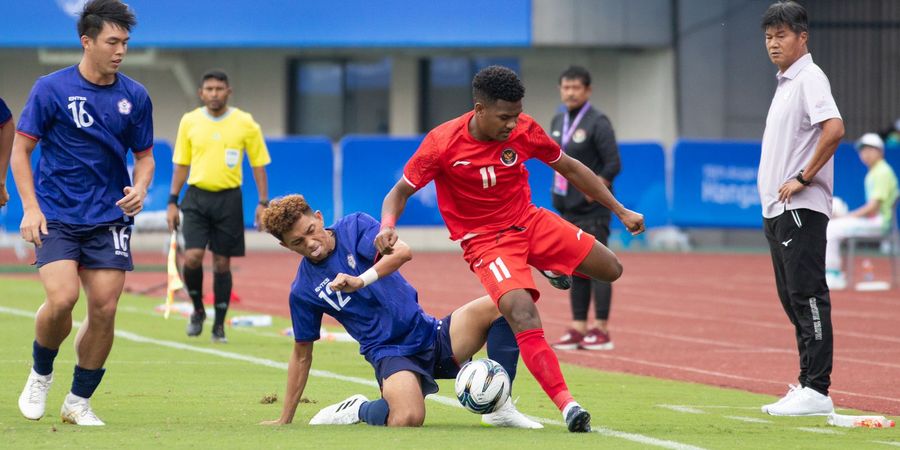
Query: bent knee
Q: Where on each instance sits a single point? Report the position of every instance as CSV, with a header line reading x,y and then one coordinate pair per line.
x,y
406,419
615,269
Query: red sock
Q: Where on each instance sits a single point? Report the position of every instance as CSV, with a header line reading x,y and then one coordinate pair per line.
x,y
542,363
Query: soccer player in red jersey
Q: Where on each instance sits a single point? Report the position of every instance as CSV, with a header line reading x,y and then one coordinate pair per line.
x,y
477,164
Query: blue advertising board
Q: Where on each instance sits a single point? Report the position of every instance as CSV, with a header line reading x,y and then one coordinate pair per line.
x,y
284,23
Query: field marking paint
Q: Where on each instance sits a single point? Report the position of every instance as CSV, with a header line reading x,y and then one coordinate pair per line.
x,y
639,438
819,430
894,443
748,419
683,409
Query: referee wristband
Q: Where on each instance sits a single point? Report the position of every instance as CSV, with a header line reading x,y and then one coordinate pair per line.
x,y
173,199
370,276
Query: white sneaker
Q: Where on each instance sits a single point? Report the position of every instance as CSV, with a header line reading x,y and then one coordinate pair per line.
x,y
835,280
343,413
77,411
509,416
33,400
792,389
806,402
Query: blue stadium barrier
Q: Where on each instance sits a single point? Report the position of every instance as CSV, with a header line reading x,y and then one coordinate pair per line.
x,y
371,167
301,165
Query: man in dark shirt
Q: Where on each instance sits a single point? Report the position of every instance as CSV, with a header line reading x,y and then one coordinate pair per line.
x,y
585,134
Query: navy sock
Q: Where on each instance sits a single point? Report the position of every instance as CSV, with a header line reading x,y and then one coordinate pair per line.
x,y
193,282
43,358
374,412
502,346
85,381
222,291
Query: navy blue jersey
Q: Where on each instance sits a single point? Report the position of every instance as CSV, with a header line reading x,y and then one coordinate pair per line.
x,y
384,317
5,113
85,131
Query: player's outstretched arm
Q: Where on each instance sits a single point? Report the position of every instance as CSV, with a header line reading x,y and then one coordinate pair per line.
x,y
393,205
133,201
385,266
591,185
298,374
34,224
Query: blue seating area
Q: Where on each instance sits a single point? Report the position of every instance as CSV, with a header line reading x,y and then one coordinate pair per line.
x,y
711,184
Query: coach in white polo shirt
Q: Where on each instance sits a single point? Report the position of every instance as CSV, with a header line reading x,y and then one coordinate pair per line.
x,y
796,175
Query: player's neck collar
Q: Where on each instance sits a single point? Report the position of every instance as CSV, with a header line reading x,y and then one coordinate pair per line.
x,y
214,118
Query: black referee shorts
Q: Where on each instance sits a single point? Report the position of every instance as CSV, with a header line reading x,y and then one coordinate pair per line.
x,y
215,219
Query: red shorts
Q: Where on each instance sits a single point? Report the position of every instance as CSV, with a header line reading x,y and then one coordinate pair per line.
x,y
544,240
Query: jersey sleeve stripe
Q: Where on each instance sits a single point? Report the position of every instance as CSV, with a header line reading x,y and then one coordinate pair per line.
x,y
558,157
33,138
410,183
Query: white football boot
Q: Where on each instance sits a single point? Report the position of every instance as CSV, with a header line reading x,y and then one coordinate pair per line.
x,y
792,389
343,413
77,411
806,402
509,416
33,400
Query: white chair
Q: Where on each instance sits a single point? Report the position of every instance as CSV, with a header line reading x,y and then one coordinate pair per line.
x,y
892,236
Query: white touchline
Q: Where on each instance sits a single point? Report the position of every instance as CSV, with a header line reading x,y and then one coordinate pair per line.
x,y
639,438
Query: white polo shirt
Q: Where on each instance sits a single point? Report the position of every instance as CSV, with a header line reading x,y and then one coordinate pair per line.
x,y
801,103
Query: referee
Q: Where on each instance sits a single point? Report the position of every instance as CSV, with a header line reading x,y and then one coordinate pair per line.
x,y
210,146
585,134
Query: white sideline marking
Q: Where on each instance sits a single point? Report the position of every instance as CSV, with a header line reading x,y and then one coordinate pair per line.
x,y
819,430
639,438
748,419
683,409
894,443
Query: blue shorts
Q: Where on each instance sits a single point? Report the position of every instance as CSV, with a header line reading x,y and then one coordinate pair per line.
x,y
435,363
104,246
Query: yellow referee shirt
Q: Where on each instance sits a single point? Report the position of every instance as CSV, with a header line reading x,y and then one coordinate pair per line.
x,y
214,147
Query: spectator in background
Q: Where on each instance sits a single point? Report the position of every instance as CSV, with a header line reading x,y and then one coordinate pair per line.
x,y
869,220
7,132
585,134
210,146
795,181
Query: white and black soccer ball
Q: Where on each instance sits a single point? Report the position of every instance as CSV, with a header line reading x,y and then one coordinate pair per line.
x,y
482,386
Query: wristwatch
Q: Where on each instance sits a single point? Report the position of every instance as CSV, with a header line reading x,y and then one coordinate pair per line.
x,y
799,178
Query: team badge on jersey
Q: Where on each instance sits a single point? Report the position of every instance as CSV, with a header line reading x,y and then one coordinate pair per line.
x,y
509,157
351,261
579,136
124,106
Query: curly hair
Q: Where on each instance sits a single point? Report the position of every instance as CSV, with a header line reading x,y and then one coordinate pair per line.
x,y
283,212
497,83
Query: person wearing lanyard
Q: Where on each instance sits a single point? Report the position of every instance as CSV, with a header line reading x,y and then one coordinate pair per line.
x,y
585,134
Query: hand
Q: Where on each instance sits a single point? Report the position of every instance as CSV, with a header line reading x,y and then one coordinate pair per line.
x,y
258,216
634,222
346,283
278,421
385,240
788,189
33,225
172,218
133,201
4,195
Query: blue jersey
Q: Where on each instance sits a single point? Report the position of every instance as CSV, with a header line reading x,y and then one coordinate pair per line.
x,y
5,113
384,317
85,131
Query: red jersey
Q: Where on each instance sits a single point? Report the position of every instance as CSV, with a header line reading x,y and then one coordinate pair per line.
x,y
482,186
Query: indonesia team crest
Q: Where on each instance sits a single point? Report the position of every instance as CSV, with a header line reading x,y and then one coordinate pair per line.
x,y
351,261
579,136
124,106
509,157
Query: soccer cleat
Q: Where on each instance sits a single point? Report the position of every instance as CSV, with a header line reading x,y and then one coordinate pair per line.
x,y
792,389
569,341
557,280
218,334
578,420
77,411
805,402
195,326
509,416
596,339
343,413
33,400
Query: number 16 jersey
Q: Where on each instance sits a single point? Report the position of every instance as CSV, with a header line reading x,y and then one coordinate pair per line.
x,y
482,186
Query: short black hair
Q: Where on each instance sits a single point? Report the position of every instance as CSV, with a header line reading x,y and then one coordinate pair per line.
x,y
576,73
497,83
787,13
98,12
216,74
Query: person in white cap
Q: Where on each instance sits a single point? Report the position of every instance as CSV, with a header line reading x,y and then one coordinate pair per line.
x,y
869,220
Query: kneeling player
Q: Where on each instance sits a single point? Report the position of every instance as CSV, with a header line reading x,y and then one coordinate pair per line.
x,y
341,275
